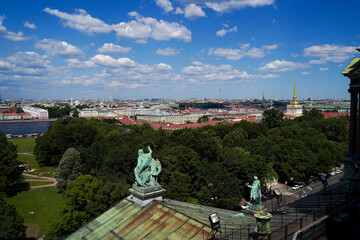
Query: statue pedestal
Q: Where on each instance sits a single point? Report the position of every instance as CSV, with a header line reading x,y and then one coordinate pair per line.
x,y
262,223
144,195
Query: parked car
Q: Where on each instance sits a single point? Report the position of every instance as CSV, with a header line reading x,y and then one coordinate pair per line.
x,y
245,206
338,171
332,173
295,187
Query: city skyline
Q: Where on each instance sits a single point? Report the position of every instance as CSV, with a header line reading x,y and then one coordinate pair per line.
x,y
176,49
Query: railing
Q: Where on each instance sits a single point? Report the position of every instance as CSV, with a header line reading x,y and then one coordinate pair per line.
x,y
312,222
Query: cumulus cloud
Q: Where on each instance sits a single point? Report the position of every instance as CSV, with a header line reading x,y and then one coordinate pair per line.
x,y
305,73
244,50
16,37
59,48
205,73
193,11
163,67
140,29
165,4
230,5
30,25
107,61
282,66
81,21
226,30
167,51
112,48
323,69
25,64
330,53
179,11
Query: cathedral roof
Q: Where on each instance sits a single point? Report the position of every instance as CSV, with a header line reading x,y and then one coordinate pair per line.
x,y
167,219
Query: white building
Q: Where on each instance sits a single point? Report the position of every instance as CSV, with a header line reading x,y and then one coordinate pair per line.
x,y
170,118
37,113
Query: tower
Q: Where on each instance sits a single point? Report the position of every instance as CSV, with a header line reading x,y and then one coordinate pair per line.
x,y
294,108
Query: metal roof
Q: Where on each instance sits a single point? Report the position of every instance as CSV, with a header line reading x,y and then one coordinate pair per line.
x,y
353,65
127,220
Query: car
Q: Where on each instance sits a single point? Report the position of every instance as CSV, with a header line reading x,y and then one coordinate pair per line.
x,y
300,186
332,173
245,206
295,187
338,171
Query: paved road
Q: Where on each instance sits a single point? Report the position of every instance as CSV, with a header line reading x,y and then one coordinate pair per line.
x,y
290,194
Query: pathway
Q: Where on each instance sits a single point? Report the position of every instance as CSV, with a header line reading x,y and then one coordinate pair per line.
x,y
41,179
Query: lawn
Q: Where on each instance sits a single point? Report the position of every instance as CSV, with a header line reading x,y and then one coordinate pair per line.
x,y
23,144
46,205
30,159
33,184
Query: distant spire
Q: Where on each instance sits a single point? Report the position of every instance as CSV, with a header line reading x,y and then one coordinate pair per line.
x,y
294,97
263,99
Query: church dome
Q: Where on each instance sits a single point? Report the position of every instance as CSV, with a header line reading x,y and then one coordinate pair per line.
x,y
294,102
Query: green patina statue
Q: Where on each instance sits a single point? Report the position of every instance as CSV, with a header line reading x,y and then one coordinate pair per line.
x,y
147,169
255,194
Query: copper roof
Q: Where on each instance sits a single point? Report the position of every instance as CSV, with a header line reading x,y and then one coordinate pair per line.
x,y
127,220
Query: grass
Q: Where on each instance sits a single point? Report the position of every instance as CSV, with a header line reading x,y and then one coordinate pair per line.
x,y
46,204
33,184
23,144
30,159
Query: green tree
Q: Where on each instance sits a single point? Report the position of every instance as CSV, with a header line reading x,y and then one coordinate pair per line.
x,y
68,168
10,172
272,117
11,227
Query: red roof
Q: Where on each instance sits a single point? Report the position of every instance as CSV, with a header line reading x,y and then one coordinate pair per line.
x,y
334,114
10,114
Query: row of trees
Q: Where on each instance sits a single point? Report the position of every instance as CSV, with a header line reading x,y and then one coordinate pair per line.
x,y
11,223
208,165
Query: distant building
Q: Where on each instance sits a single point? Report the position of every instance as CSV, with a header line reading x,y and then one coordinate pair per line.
x,y
170,118
36,113
11,116
7,109
294,108
25,116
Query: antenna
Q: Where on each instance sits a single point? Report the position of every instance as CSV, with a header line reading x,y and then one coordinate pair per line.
x,y
220,93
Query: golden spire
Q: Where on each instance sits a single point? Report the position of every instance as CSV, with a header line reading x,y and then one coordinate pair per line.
x,y
294,97
294,101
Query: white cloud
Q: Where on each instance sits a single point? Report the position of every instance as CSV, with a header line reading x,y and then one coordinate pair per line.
x,y
245,50
330,53
230,5
112,48
139,29
305,73
163,67
16,37
30,25
193,11
167,51
25,64
179,11
282,66
75,63
323,69
223,31
205,73
107,61
165,4
59,48
81,21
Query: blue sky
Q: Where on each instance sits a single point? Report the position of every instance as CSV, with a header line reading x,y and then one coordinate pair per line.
x,y
176,48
